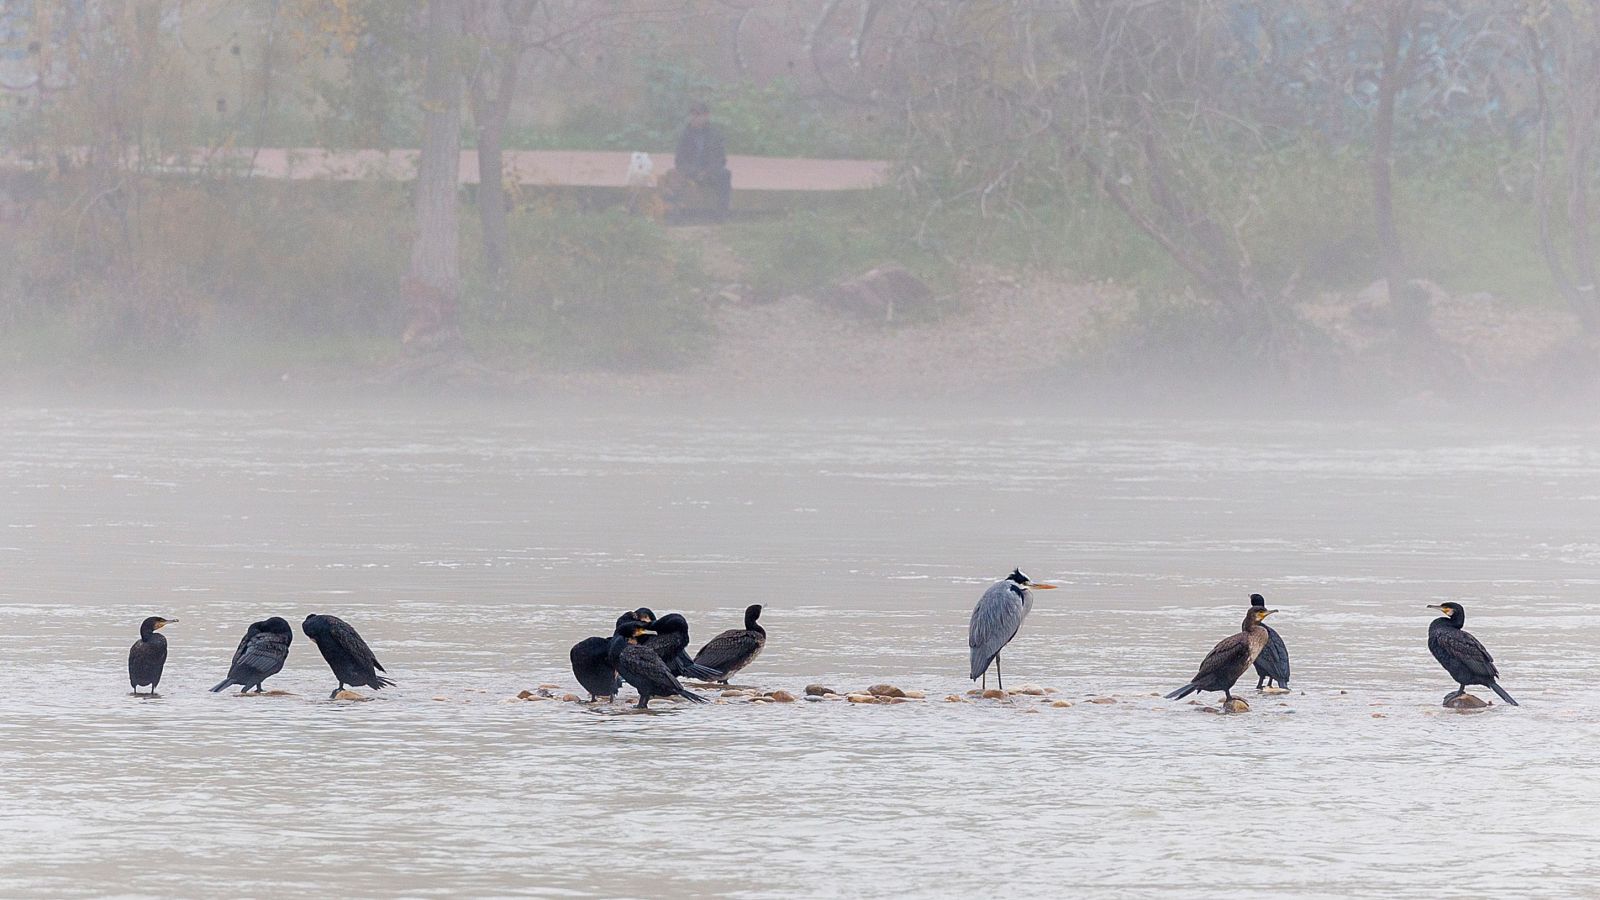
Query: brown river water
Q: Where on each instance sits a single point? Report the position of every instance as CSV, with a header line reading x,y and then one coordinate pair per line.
x,y
473,548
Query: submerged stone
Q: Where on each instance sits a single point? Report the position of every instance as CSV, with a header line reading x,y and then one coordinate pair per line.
x,y
781,697
885,690
861,698
1060,704
817,690
1032,690
1102,700
917,695
995,694
349,695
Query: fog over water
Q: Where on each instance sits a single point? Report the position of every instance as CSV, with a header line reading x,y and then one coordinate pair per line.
x,y
472,548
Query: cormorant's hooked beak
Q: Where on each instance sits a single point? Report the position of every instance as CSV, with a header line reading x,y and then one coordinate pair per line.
x,y
1438,606
1267,612
165,622
1042,587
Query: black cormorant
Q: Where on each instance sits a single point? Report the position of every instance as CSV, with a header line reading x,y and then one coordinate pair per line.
x,y
592,669
260,656
1230,658
734,649
642,667
671,640
1273,663
347,654
1461,654
148,655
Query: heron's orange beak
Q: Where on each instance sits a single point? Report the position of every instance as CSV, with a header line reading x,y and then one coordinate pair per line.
x,y
1042,587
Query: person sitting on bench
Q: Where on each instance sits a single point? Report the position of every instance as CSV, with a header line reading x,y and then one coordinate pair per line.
x,y
703,158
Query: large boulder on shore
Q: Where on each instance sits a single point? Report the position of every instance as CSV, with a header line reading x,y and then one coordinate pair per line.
x,y
881,293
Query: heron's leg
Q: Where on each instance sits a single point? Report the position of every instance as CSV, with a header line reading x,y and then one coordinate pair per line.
x,y
998,677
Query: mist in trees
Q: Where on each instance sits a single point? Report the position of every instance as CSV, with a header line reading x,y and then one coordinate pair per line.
x,y
1235,157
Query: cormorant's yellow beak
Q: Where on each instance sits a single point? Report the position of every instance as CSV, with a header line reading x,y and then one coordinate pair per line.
x,y
1439,606
1042,587
1267,612
165,622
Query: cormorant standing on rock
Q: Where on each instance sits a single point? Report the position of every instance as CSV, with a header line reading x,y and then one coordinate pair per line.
x,y
351,660
736,648
1273,663
996,620
592,669
148,655
1461,654
261,654
671,640
1230,658
642,667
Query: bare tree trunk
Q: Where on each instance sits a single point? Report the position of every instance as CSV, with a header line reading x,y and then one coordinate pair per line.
x,y
1409,306
433,285
1583,108
490,110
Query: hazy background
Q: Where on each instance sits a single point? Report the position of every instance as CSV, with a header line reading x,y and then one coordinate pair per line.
x,y
1129,199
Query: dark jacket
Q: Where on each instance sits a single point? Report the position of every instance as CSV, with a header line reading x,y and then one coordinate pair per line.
x,y
701,150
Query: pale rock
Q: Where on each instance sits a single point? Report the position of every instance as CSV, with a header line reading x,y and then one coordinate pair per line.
x,y
1032,690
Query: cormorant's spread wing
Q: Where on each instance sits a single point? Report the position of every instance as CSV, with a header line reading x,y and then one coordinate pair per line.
x,y
244,642
261,652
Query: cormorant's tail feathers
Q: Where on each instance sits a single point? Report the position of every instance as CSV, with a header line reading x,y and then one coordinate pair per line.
x,y
1182,692
703,673
1503,695
221,684
380,682
691,695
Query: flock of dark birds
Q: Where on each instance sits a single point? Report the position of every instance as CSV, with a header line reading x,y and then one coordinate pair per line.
x,y
651,653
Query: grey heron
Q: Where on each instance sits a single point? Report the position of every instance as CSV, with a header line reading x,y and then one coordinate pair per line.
x,y
1461,654
1273,663
996,620
1230,658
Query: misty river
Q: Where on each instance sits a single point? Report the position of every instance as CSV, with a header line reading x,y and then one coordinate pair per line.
x,y
472,548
